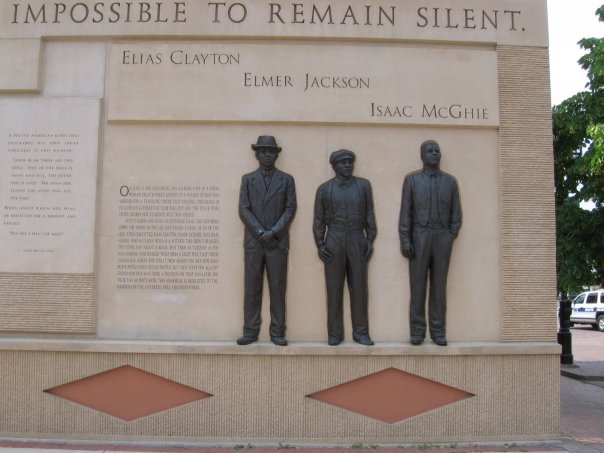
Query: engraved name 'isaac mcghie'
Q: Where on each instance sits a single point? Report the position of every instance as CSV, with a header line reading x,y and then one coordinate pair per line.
x,y
452,111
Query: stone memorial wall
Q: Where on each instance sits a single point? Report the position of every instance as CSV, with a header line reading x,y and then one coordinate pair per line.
x,y
125,129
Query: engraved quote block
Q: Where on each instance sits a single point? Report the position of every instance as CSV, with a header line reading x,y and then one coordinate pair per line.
x,y
48,165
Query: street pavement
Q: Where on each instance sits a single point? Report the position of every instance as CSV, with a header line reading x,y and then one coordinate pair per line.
x,y
581,419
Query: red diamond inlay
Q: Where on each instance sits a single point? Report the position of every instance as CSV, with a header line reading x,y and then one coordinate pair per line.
x,y
390,395
128,393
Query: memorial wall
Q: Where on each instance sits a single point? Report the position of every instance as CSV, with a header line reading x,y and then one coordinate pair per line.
x,y
125,129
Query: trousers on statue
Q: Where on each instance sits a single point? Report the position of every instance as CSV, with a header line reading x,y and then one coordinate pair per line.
x,y
432,252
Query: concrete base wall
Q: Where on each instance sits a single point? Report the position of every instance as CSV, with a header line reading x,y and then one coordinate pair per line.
x,y
260,392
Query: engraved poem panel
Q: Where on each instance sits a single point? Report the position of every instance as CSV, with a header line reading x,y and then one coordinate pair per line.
x,y
48,173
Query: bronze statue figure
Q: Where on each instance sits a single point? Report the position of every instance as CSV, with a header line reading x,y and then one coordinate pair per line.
x,y
430,220
267,205
344,229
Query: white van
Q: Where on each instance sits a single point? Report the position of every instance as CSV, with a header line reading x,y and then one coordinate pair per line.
x,y
588,308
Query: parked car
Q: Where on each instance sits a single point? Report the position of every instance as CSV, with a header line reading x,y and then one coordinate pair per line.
x,y
588,308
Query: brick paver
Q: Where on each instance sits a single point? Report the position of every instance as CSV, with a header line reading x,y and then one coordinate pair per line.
x,y
582,411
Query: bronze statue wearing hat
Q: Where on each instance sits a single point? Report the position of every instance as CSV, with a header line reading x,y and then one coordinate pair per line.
x,y
344,229
267,205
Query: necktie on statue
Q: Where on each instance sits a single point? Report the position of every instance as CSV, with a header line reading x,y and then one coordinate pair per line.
x,y
434,214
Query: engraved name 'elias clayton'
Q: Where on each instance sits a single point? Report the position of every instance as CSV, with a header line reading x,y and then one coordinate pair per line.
x,y
310,81
179,57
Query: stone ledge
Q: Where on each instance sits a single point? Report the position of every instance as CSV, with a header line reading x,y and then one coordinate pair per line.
x,y
268,349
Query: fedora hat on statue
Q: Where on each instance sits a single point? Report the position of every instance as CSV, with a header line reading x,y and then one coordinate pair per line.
x,y
266,141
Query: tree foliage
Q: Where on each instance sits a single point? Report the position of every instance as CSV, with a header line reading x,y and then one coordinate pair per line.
x,y
578,124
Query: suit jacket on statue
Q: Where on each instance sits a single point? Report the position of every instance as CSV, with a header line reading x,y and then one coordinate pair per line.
x,y
262,209
415,204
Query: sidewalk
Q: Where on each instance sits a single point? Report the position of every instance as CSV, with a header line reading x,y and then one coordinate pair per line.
x,y
582,393
47,447
582,406
590,371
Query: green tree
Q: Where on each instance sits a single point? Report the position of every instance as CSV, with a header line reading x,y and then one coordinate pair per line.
x,y
578,124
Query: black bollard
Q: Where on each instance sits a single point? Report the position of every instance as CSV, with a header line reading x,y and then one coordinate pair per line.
x,y
564,335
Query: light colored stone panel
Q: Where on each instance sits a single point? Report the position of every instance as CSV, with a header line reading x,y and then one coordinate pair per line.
x,y
275,387
511,22
47,303
319,83
528,225
48,160
189,155
74,69
20,65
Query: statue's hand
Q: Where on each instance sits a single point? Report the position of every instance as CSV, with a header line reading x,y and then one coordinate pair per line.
x,y
407,250
272,244
369,252
266,238
325,255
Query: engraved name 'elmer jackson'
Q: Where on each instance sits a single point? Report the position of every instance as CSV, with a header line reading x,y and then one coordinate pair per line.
x,y
310,81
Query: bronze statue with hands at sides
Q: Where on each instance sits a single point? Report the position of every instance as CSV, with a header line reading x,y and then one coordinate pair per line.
x,y
267,205
430,220
344,229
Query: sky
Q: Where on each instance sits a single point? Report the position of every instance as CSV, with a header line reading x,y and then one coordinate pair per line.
x,y
570,21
